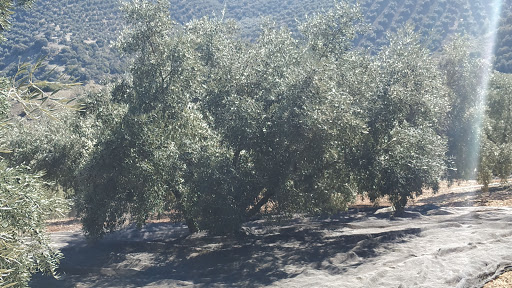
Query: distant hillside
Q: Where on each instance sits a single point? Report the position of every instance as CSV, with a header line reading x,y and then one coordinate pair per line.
x,y
77,35
504,45
74,34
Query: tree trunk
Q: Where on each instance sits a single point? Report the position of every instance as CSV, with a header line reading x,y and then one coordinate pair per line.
x,y
257,207
192,225
189,221
236,158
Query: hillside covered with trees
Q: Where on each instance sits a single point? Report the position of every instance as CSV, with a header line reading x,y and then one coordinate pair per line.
x,y
77,35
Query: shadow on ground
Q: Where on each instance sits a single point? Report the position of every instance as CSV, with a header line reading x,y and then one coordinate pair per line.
x,y
162,255
496,196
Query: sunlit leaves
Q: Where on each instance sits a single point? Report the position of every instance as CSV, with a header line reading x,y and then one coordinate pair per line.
x,y
25,204
402,152
496,145
332,32
218,127
37,97
462,72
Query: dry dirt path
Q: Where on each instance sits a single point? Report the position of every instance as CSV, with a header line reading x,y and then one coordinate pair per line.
x,y
430,246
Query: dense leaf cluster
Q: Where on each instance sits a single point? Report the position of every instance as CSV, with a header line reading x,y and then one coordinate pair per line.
x,y
26,202
503,62
496,143
27,199
218,128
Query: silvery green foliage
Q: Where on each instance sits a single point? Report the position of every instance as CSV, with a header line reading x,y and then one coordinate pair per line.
x,y
462,72
26,202
220,129
52,146
402,152
163,146
61,146
332,32
7,8
496,145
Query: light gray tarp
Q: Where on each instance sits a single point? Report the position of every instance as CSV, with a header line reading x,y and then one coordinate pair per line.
x,y
428,247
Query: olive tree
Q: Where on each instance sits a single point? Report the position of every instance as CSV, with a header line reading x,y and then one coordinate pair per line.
x,y
462,72
496,145
220,129
26,199
159,147
403,107
216,127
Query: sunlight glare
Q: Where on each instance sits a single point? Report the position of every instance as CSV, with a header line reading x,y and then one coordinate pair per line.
x,y
487,52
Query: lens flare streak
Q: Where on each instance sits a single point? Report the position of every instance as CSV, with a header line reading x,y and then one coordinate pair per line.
x,y
487,53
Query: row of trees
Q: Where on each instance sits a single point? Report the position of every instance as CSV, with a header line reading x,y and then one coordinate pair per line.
x,y
75,35
218,128
496,145
435,19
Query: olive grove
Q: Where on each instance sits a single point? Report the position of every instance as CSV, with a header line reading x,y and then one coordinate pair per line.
x,y
217,130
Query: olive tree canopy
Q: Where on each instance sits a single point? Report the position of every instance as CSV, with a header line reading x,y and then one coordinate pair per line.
x,y
220,129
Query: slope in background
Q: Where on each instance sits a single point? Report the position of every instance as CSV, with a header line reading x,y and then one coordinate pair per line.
x,y
77,35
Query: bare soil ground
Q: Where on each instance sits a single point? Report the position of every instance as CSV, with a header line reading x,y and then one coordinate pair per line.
x,y
505,280
458,237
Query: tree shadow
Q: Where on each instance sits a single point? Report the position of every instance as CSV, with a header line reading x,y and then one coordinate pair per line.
x,y
499,193
502,188
456,199
471,198
267,253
